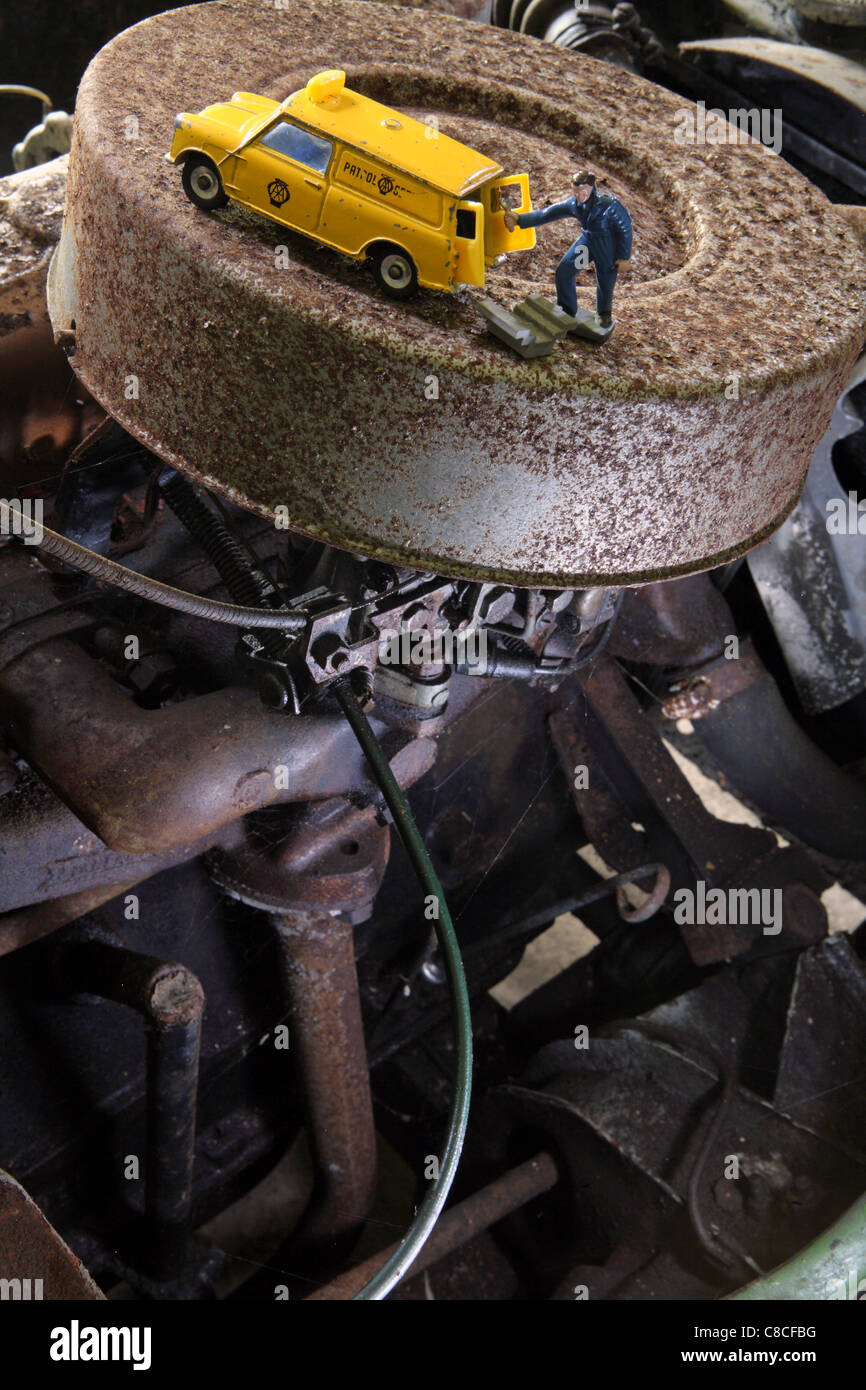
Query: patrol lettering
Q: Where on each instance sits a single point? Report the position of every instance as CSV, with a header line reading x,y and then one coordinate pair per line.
x,y
383,182
357,173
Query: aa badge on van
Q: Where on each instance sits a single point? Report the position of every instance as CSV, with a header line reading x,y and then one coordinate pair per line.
x,y
278,192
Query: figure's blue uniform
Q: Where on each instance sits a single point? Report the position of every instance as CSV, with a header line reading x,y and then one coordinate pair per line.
x,y
607,233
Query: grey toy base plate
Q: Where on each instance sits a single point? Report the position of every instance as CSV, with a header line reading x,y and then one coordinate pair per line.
x,y
534,326
587,325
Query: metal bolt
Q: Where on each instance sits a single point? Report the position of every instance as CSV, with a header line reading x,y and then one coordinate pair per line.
x,y
433,972
153,675
495,605
557,599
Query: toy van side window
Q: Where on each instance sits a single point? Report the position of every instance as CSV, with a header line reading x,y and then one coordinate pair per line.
x,y
300,145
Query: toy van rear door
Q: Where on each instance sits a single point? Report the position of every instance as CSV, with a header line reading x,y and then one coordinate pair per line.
x,y
510,192
284,174
469,243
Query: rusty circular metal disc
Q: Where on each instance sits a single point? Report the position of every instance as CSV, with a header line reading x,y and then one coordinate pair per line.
x,y
402,429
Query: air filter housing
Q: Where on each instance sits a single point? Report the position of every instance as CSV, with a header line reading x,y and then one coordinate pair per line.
x,y
286,379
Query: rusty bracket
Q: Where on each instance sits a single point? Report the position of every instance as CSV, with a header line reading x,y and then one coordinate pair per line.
x,y
703,690
330,652
329,649
34,1262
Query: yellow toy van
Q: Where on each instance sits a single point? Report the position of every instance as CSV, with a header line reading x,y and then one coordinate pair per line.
x,y
369,181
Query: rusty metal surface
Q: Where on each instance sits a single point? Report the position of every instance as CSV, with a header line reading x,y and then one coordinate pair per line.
x,y
812,579
332,858
48,855
31,1250
305,388
457,1226
318,954
715,847
170,999
31,209
40,418
147,781
608,830
673,624
643,1127
715,851
700,692
28,924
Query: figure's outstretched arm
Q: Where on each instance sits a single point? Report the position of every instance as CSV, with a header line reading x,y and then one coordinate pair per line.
x,y
549,214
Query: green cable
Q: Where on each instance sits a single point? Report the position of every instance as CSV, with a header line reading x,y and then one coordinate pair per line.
x,y
393,1270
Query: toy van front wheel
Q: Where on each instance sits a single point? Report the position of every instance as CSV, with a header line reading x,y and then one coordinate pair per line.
x,y
202,183
395,271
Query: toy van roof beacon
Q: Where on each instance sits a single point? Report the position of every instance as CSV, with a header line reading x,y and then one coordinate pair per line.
x,y
371,182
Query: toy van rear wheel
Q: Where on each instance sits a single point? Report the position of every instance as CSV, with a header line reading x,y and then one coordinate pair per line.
x,y
396,272
202,184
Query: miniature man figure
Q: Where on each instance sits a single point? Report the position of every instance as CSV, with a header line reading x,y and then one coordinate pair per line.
x,y
606,240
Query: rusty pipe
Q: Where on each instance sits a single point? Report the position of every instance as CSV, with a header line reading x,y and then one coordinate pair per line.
x,y
147,781
327,1037
47,853
171,1001
459,1225
28,924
